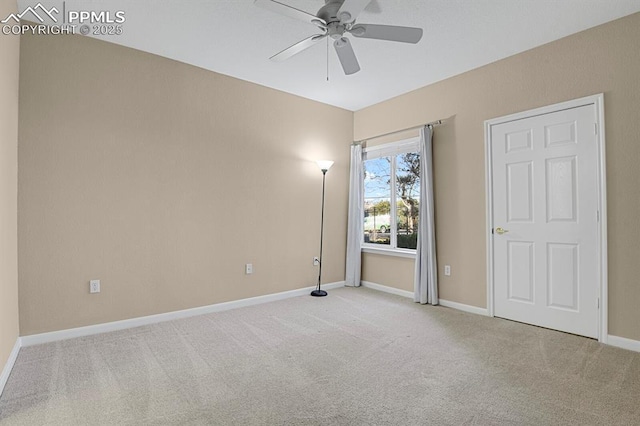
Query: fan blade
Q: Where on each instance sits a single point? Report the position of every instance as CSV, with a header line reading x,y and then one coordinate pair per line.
x,y
292,12
374,7
351,9
347,56
387,32
297,48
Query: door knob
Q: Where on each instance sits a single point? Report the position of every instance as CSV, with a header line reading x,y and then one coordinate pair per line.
x,y
501,231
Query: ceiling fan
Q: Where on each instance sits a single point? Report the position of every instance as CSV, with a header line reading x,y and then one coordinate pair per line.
x,y
334,19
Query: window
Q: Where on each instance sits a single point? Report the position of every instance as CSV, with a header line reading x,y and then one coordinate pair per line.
x,y
392,195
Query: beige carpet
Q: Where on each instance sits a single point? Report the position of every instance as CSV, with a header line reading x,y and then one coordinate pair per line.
x,y
357,357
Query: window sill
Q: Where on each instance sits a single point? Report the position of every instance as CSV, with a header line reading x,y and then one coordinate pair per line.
x,y
389,252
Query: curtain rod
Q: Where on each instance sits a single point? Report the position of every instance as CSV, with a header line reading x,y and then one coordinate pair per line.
x,y
431,124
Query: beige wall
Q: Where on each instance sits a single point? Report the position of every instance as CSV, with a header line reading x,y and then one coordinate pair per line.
x,y
387,270
162,180
602,59
9,66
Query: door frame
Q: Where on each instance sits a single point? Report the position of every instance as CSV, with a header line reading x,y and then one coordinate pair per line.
x,y
598,102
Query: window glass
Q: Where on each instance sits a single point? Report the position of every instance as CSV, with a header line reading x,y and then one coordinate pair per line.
x,y
407,199
392,196
377,201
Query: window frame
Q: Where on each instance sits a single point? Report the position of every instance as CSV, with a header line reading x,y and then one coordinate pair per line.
x,y
392,150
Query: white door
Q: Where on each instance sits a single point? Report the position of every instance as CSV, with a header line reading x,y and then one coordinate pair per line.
x,y
545,198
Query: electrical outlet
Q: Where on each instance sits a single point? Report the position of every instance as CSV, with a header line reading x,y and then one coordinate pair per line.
x,y
248,269
316,261
447,270
94,286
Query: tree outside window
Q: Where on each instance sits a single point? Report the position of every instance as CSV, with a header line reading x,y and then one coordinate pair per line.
x,y
408,199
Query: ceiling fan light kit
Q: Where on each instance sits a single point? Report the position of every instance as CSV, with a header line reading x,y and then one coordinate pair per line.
x,y
334,19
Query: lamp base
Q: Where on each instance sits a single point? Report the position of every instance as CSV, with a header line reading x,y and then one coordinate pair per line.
x,y
318,293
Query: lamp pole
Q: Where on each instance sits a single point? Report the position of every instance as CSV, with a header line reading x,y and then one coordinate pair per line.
x,y
324,167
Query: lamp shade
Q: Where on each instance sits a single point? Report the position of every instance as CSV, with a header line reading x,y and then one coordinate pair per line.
x,y
324,164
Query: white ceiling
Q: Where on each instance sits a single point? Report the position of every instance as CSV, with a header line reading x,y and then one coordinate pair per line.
x,y
236,38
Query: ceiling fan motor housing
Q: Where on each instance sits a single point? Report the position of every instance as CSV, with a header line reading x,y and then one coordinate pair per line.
x,y
329,12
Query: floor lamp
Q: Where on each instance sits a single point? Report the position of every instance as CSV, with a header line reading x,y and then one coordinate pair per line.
x,y
324,166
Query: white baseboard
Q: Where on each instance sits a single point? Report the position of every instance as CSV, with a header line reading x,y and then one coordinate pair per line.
x,y
624,343
387,289
620,342
442,302
463,307
54,336
6,371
